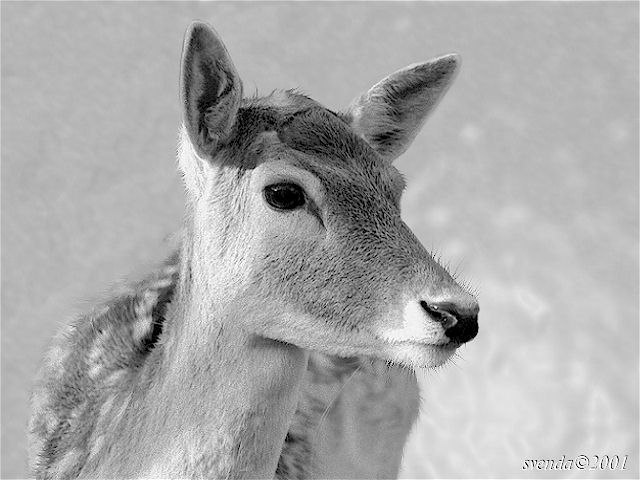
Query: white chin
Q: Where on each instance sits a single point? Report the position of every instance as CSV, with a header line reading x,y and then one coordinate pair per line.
x,y
416,355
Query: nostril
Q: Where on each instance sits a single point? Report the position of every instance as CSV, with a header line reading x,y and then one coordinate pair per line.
x,y
439,314
460,323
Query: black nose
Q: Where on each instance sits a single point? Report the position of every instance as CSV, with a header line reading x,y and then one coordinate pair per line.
x,y
460,322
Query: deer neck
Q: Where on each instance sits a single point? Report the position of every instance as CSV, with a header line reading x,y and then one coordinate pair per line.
x,y
227,396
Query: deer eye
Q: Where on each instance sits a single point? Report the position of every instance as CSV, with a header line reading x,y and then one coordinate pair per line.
x,y
284,196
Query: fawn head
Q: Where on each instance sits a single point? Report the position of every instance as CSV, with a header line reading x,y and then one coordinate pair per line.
x,y
294,212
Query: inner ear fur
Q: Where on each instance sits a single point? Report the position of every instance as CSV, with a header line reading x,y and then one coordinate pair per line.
x,y
392,112
211,89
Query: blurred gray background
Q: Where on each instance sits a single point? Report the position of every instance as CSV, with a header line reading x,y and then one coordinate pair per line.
x,y
527,173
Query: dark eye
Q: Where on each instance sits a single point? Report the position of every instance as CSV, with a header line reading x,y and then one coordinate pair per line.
x,y
284,196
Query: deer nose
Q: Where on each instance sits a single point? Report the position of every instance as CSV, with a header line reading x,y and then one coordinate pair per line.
x,y
459,320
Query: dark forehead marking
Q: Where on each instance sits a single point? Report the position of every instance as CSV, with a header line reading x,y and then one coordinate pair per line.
x,y
319,132
305,126
301,124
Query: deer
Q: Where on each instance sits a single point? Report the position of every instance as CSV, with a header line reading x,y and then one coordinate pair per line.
x,y
281,338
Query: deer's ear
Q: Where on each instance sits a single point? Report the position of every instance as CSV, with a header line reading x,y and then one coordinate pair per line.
x,y
391,113
210,87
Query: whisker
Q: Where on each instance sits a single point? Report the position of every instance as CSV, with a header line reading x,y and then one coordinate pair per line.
x,y
333,400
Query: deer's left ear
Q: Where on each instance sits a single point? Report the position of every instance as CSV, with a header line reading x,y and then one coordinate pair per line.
x,y
391,113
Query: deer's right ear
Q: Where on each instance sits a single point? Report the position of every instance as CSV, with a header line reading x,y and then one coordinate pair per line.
x,y
210,87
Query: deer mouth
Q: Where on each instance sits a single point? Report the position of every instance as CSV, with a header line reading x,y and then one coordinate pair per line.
x,y
416,353
445,347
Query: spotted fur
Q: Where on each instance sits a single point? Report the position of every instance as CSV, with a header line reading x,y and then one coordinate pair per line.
x,y
88,370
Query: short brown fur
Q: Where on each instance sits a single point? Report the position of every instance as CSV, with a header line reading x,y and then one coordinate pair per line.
x,y
248,352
